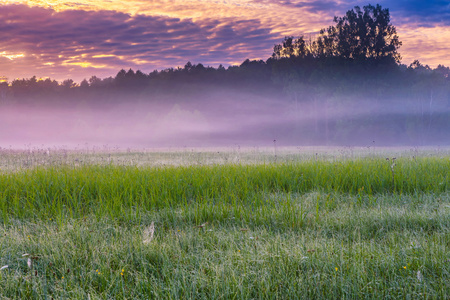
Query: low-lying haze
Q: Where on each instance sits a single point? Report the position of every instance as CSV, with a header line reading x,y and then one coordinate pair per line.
x,y
225,119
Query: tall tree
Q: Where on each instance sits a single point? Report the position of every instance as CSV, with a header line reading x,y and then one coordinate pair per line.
x,y
364,34
359,35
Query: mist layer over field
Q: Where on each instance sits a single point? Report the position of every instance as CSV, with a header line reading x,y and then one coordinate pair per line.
x,y
223,118
129,123
296,101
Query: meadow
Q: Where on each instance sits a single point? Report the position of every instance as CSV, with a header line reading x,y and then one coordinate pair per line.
x,y
254,223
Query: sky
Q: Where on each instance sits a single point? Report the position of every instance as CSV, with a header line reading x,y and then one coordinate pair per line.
x,y
78,39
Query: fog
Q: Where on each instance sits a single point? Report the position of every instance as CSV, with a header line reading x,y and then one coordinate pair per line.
x,y
221,118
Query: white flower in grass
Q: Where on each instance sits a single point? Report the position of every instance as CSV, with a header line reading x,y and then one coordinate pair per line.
x,y
147,235
29,263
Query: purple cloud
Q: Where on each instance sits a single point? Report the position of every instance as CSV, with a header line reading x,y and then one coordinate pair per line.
x,y
112,40
423,13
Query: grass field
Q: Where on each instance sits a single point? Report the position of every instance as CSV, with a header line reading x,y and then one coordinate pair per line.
x,y
225,224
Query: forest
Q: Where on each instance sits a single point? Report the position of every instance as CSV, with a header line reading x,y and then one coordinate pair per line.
x,y
344,86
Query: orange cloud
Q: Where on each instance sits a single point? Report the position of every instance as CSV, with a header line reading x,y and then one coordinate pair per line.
x,y
430,45
11,56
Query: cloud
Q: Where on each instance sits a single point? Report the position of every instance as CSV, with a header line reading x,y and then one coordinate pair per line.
x,y
109,40
422,13
327,6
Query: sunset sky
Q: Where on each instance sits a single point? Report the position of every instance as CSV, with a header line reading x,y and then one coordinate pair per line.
x,y
77,39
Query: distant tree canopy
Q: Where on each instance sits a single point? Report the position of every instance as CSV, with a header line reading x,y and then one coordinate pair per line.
x,y
359,35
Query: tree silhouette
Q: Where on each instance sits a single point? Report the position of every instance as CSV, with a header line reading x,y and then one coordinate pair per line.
x,y
365,34
292,48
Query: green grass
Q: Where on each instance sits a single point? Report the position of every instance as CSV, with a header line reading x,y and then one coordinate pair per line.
x,y
315,228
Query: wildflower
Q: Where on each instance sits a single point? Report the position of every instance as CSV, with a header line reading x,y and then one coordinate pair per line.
x,y
336,269
29,263
404,267
62,277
